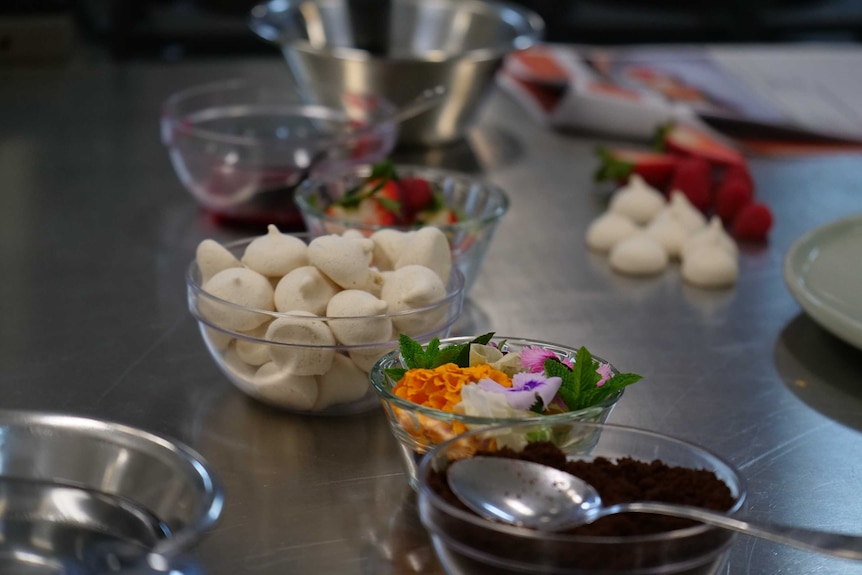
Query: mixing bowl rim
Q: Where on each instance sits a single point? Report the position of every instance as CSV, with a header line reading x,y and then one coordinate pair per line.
x,y
172,119
213,501
307,188
512,530
456,280
528,32
379,378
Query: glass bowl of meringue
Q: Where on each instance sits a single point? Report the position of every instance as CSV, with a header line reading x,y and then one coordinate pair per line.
x,y
298,323
466,208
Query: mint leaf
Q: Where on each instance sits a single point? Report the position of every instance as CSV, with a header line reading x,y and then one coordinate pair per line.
x,y
384,169
411,351
538,406
569,391
391,206
395,373
612,386
542,434
448,355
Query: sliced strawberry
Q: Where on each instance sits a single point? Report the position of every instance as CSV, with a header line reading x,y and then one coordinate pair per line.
x,y
731,196
370,211
693,177
687,140
617,164
752,223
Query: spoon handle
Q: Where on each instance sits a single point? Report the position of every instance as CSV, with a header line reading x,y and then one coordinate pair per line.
x,y
835,544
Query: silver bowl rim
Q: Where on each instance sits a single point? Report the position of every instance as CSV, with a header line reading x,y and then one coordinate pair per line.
x,y
213,501
529,30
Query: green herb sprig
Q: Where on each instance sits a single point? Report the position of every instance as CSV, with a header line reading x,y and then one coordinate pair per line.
x,y
417,357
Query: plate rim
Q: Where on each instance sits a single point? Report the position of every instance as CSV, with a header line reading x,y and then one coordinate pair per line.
x,y
846,328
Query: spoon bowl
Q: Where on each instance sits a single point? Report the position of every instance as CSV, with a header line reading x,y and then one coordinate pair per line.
x,y
546,499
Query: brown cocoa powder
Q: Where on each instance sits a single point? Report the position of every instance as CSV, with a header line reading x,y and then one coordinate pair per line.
x,y
620,481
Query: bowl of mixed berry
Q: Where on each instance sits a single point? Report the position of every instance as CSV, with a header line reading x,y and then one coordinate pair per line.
x,y
385,200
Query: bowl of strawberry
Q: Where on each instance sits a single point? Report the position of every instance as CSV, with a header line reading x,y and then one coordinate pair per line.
x,y
385,196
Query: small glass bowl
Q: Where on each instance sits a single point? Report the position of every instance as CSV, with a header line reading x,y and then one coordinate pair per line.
x,y
419,429
247,357
239,147
480,204
467,544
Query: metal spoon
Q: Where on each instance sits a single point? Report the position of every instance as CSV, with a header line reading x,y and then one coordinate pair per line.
x,y
543,498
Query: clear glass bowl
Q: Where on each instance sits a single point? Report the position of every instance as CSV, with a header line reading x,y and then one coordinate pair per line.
x,y
238,147
481,205
469,545
341,386
419,429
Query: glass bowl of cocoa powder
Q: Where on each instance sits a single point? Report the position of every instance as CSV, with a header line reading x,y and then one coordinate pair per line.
x,y
623,464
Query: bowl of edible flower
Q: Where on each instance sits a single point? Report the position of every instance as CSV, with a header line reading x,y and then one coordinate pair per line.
x,y
391,200
434,393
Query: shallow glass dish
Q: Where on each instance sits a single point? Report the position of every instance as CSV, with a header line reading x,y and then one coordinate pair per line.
x,y
239,147
83,495
419,428
480,204
469,545
247,357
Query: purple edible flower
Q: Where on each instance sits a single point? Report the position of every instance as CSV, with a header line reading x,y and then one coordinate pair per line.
x,y
525,388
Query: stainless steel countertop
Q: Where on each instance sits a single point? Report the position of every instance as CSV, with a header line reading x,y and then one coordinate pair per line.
x,y
96,232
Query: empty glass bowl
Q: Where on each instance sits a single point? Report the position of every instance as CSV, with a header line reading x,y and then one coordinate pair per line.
x,y
469,545
480,204
240,147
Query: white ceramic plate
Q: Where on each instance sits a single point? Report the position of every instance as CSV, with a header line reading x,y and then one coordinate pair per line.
x,y
823,270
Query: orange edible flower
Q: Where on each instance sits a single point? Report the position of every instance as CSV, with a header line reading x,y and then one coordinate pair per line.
x,y
440,387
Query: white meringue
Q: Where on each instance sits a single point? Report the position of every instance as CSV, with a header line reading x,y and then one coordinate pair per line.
x,y
215,339
712,234
240,286
212,257
275,254
608,230
353,330
639,255
428,247
353,234
345,261
637,200
691,218
343,383
309,350
669,232
365,358
285,389
304,289
412,287
253,352
710,266
238,370
388,245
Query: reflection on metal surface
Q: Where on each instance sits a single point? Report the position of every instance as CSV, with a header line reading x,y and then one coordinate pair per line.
x,y
821,370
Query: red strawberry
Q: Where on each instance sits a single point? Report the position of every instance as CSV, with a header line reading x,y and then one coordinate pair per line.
x,y
752,223
731,196
618,164
739,172
693,177
687,140
416,195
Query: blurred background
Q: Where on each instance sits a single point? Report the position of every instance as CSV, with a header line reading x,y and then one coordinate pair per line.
x,y
45,30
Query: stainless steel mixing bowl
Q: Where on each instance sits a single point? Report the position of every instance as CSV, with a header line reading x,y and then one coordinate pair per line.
x,y
397,48
80,495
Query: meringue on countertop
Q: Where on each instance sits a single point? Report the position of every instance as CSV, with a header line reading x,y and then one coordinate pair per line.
x,y
637,200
